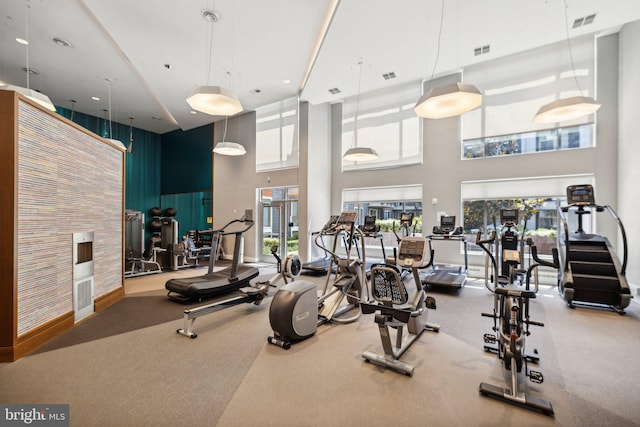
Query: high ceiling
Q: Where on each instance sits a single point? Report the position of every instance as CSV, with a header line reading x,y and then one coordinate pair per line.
x,y
147,56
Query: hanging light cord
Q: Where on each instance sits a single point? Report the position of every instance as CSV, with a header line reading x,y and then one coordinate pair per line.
x,y
27,50
566,29
110,137
435,64
354,140
224,135
210,53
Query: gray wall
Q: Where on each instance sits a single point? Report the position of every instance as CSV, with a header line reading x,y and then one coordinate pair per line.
x,y
628,145
235,180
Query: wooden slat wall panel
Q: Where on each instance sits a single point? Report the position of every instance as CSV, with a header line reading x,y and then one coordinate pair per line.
x,y
68,181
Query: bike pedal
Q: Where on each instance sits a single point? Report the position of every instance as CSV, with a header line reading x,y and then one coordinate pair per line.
x,y
490,338
536,377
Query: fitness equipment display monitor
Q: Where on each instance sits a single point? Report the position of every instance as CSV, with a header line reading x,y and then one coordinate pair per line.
x,y
508,216
447,223
580,195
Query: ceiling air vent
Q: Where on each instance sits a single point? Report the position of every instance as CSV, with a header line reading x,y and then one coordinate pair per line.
x,y
334,91
481,50
388,76
585,20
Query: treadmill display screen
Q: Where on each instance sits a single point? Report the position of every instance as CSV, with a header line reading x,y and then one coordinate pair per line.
x,y
447,223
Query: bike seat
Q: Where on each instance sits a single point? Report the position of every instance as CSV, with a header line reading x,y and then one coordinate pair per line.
x,y
515,291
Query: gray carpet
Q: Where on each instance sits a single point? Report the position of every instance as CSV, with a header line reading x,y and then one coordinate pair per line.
x,y
147,375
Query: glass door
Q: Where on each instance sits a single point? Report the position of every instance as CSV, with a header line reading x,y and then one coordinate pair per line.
x,y
278,224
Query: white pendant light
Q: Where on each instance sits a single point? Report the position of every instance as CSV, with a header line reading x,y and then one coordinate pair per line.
x,y
448,100
35,96
227,148
214,100
355,153
564,109
360,154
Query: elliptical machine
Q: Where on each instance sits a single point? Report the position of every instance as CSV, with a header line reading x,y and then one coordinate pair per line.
x,y
296,310
511,312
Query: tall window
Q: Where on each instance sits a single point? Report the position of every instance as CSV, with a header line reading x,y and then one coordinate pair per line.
x,y
386,123
515,87
277,135
535,198
386,204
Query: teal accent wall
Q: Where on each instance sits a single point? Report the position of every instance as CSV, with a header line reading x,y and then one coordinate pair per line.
x,y
186,160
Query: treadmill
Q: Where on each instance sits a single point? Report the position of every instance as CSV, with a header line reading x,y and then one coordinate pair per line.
x,y
445,275
220,282
320,266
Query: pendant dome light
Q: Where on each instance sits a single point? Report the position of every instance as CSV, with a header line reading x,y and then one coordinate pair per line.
x,y
35,96
355,153
574,107
214,100
227,148
447,100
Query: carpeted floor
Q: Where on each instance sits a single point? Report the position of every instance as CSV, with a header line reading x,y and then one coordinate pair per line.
x,y
126,366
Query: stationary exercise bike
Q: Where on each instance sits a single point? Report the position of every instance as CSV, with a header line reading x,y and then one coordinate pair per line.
x,y
511,312
399,307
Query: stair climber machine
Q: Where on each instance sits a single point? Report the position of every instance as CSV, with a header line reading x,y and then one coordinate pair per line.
x,y
296,310
320,266
219,282
447,276
512,292
397,307
253,294
590,272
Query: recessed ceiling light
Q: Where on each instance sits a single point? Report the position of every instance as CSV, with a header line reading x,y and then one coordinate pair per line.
x,y
21,41
156,118
210,16
286,81
61,42
193,112
95,98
